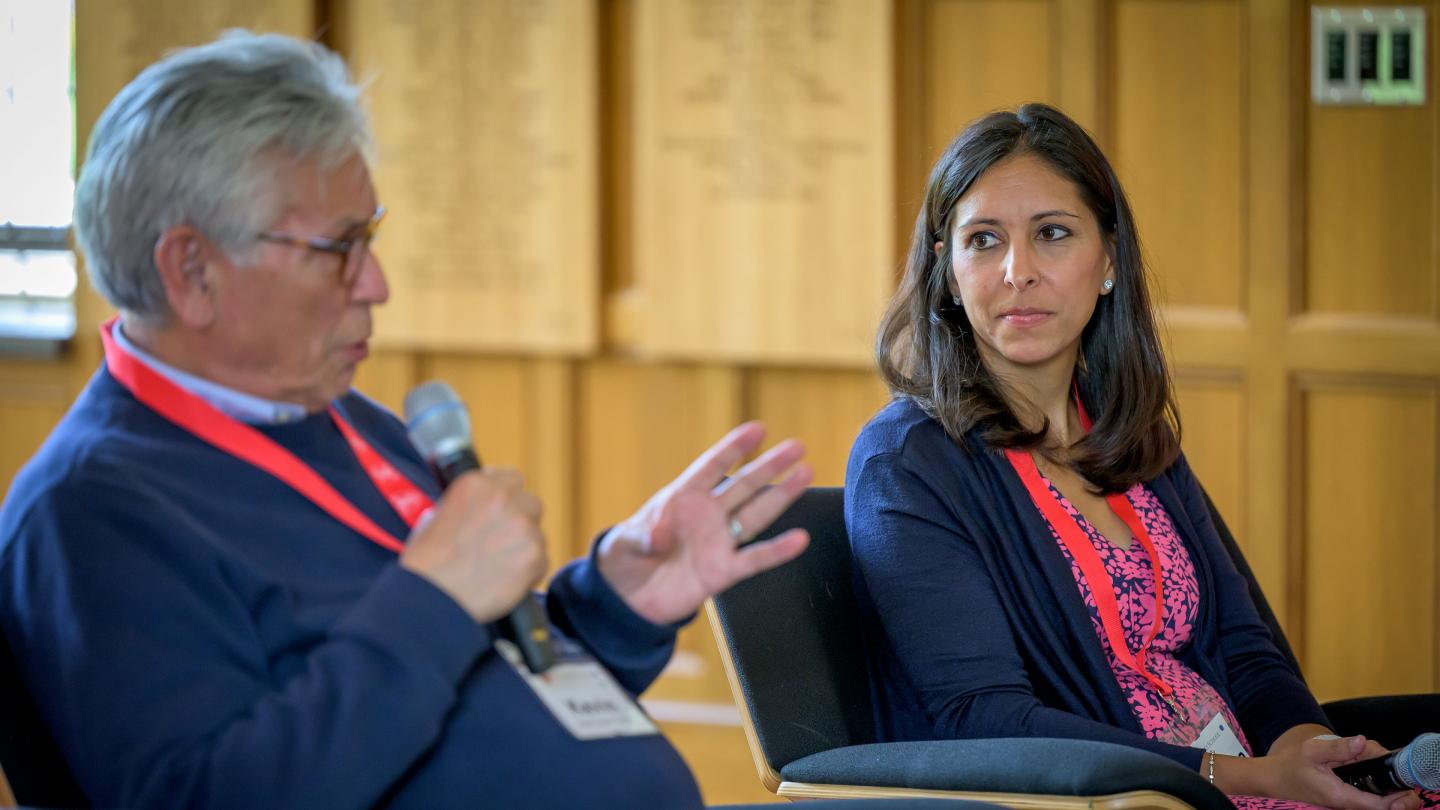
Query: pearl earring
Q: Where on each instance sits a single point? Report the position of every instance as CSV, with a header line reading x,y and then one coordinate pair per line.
x,y
1108,285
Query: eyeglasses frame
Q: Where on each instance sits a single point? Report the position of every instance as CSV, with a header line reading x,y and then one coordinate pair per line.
x,y
351,261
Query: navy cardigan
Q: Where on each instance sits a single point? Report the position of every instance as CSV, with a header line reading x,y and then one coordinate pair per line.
x,y
973,623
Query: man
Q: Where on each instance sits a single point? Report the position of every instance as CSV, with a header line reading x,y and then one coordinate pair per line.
x,y
218,575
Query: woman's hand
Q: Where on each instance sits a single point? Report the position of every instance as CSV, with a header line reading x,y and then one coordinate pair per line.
x,y
1300,767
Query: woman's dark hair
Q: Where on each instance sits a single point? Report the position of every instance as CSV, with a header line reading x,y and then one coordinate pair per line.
x,y
927,350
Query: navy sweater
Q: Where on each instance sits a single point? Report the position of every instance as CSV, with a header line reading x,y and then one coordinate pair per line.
x,y
196,633
974,625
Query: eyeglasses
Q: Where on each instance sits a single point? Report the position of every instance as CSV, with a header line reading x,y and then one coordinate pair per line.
x,y
351,251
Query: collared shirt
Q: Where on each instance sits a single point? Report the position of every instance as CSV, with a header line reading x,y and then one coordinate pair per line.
x,y
238,405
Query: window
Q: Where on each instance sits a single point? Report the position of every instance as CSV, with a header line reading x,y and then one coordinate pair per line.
x,y
37,184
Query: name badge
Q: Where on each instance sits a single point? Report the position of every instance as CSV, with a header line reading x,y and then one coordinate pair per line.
x,y
1219,737
582,695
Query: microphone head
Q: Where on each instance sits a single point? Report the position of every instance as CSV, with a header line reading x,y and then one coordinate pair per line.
x,y
1418,764
436,420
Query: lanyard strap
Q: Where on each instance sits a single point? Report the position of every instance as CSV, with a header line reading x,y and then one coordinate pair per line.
x,y
408,500
1092,567
244,442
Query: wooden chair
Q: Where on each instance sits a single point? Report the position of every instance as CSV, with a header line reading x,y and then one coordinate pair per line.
x,y
7,799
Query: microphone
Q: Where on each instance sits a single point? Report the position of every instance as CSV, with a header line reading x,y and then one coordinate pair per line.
x,y
439,427
1417,765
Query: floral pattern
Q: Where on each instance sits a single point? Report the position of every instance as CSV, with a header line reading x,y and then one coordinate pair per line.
x,y
1196,702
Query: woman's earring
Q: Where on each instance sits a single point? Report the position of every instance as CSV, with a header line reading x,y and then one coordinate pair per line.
x,y
1108,285
955,299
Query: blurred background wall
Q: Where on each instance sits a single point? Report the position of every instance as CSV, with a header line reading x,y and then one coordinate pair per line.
x,y
619,227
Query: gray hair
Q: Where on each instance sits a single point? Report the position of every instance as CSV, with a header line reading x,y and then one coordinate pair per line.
x,y
200,138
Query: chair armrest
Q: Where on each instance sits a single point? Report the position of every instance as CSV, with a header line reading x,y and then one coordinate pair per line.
x,y
1029,765
1391,720
867,804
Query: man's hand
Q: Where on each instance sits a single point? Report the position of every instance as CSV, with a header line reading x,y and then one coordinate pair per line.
x,y
681,548
482,545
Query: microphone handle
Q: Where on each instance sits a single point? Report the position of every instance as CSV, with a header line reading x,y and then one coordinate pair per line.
x,y
454,464
526,625
1375,775
527,628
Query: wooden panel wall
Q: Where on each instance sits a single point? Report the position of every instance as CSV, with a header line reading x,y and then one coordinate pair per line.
x,y
1389,159
1294,249
1172,132
1369,553
763,147
1306,358
1364,354
33,397
114,41
1008,55
489,174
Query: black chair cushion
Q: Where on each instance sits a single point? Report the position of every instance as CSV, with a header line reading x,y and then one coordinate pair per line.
x,y
1031,765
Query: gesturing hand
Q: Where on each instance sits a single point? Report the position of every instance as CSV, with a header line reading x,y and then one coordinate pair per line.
x,y
681,548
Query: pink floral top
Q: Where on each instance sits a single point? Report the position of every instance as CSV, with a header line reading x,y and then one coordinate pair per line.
x,y
1196,702
1130,572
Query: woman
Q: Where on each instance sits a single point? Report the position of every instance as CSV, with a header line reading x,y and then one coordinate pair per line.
x,y
1009,552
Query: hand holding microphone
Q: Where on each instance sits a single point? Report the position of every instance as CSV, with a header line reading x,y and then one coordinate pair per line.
x,y
482,544
1417,765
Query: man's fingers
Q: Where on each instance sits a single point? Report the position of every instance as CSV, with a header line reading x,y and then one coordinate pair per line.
x,y
501,478
768,554
530,505
707,470
495,487
756,515
740,488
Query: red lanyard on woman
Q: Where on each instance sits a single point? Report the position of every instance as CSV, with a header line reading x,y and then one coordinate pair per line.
x,y
246,443
1093,568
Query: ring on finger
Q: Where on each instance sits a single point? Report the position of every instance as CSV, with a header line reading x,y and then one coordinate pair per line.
x,y
737,532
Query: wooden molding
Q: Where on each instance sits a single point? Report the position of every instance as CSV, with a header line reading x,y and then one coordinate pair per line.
x,y
7,798
769,777
1134,800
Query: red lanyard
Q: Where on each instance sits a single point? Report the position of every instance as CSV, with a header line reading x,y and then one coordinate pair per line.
x,y
1093,568
248,444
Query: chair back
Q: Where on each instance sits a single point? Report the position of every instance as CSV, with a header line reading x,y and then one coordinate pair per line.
x,y
30,760
1262,605
792,642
